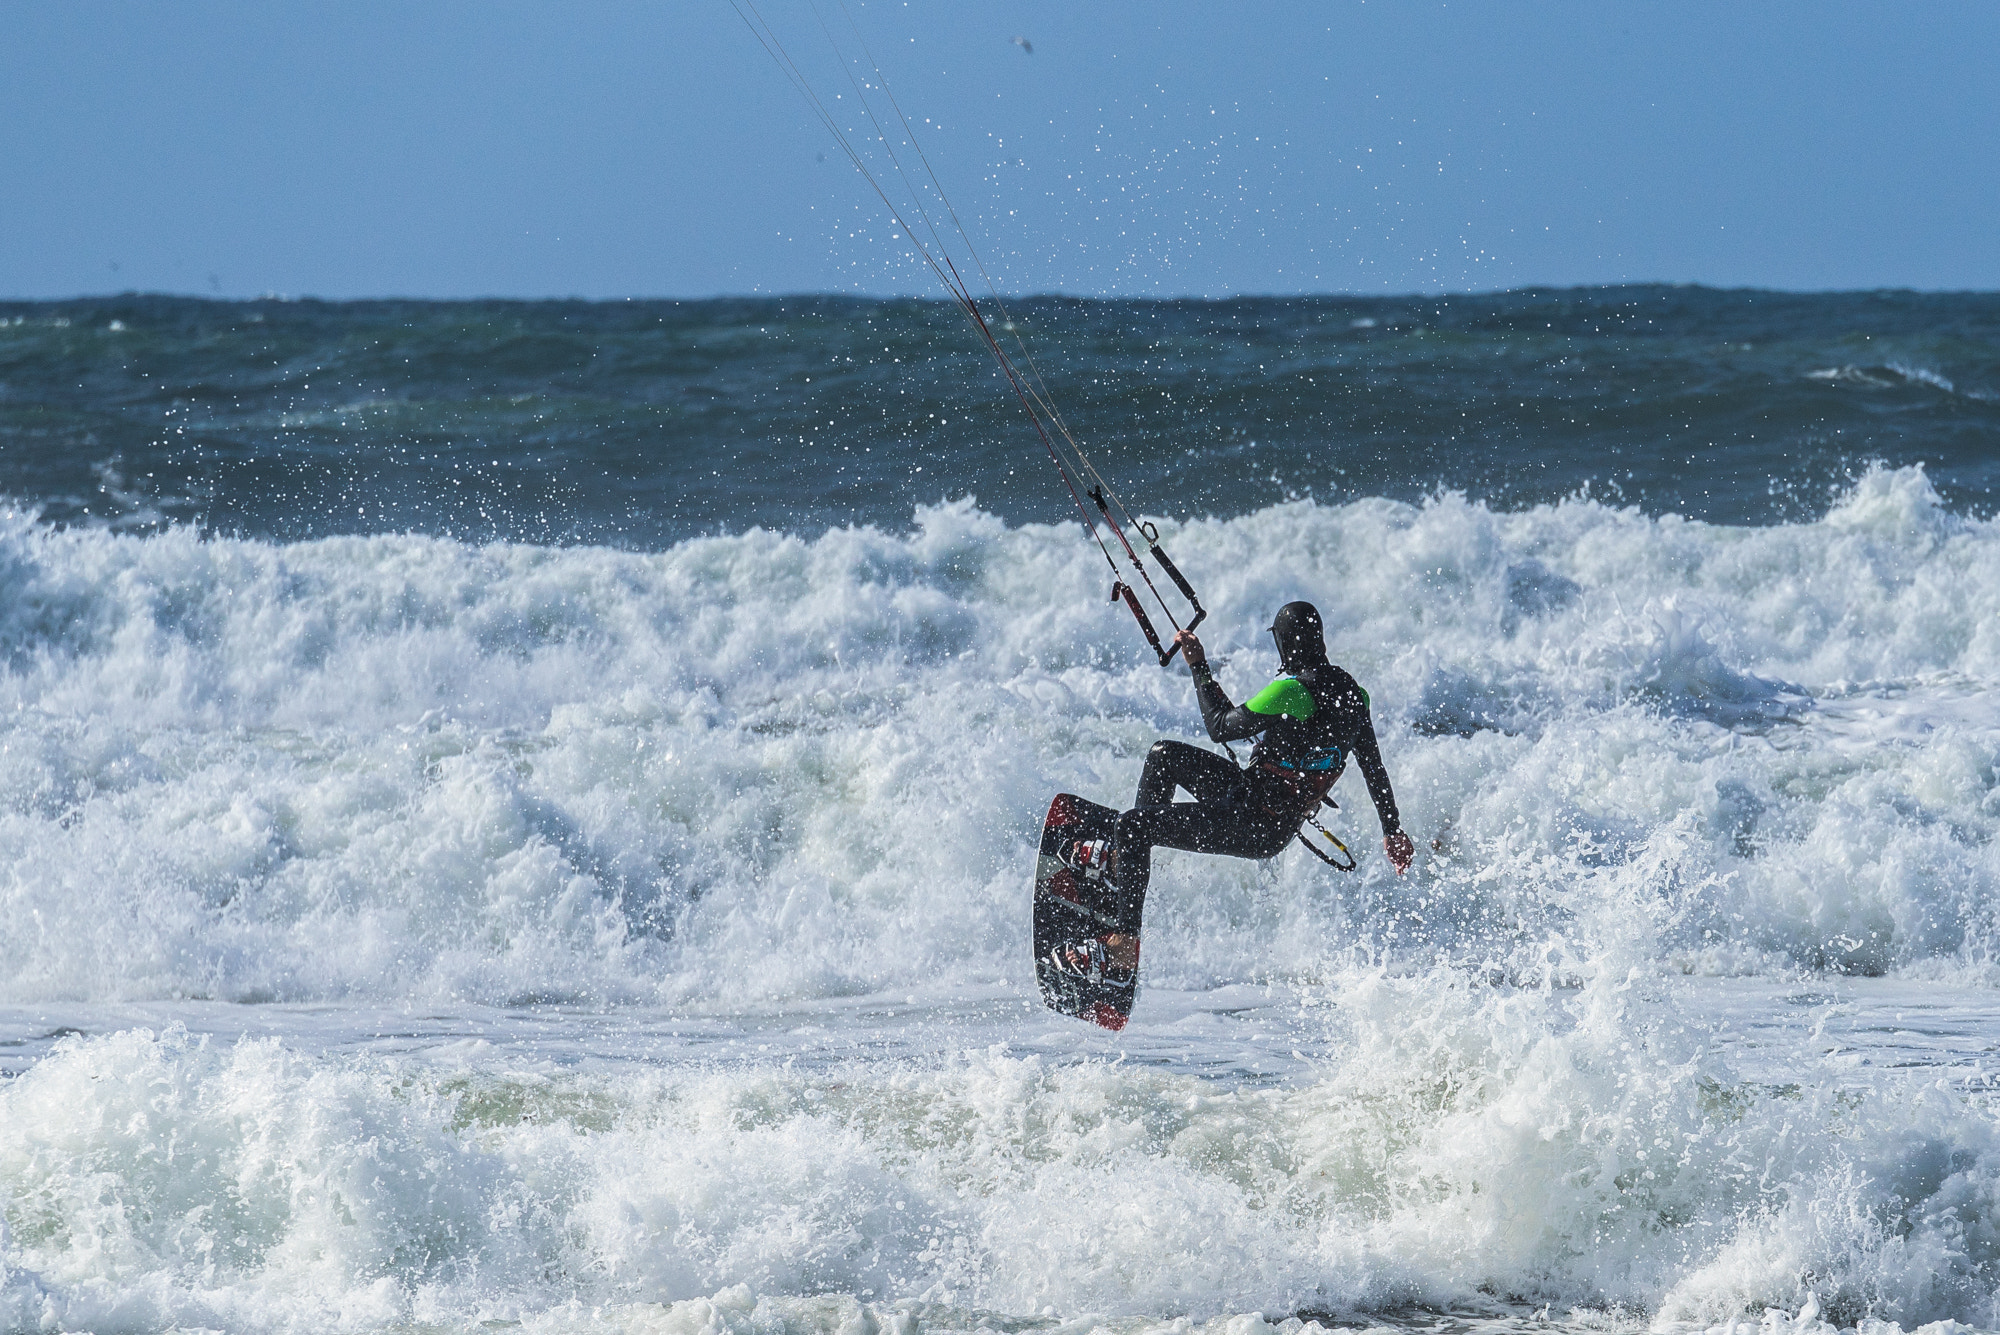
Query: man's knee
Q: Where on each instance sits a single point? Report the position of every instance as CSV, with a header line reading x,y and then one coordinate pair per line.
x,y
1160,776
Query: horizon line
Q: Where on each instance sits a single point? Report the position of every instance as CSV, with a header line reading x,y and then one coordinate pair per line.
x,y
821,294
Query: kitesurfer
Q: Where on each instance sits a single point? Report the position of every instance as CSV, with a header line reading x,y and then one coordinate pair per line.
x,y
1312,718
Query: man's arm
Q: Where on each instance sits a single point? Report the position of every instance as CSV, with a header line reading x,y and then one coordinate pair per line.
x,y
1225,722
1368,755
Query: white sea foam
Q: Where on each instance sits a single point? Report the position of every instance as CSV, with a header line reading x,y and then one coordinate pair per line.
x,y
1895,374
1640,753
402,767
1542,1148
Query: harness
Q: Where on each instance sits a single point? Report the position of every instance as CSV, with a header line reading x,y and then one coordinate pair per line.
x,y
1309,788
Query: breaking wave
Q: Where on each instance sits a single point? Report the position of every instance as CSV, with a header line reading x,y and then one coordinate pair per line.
x,y
403,767
1641,754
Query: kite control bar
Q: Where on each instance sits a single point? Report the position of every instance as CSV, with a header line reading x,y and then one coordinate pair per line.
x,y
1180,581
1120,589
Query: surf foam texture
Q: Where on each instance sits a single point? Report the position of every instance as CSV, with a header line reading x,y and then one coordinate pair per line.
x,y
1464,1144
759,767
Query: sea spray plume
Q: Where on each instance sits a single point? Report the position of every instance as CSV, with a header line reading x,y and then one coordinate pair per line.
x,y
159,1181
1662,656
1589,1148
1897,1225
25,1302
952,258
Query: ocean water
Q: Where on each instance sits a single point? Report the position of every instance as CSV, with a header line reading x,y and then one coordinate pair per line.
x,y
520,816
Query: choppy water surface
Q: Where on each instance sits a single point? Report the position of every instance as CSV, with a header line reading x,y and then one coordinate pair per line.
x,y
636,424
405,927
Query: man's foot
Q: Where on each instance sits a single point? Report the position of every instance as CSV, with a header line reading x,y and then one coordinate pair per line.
x,y
1089,858
1112,958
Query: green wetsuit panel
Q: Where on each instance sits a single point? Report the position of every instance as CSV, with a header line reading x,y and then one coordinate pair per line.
x,y
1283,696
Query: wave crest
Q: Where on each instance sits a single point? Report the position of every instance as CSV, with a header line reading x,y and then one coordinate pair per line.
x,y
738,767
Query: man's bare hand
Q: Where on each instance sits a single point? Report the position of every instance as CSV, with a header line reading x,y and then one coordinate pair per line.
x,y
1191,649
1400,850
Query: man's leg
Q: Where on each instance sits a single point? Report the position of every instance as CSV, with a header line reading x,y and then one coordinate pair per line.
x,y
1233,829
1230,828
1213,823
1170,765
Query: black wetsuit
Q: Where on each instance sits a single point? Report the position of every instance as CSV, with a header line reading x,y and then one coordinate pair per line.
x,y
1312,721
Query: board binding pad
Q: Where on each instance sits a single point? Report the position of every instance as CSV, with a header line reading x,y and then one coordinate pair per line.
x,y
1069,910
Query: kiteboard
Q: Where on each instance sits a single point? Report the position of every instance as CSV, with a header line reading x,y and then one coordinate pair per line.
x,y
1072,910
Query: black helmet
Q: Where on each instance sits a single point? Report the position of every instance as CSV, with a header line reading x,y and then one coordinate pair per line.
x,y
1301,638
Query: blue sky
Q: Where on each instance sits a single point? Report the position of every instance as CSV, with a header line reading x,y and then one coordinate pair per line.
x,y
1167,148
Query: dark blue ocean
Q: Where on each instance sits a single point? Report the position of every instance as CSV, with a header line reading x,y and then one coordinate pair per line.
x,y
637,423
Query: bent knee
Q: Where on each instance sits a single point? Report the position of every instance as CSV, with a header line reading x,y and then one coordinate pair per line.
x,y
1178,755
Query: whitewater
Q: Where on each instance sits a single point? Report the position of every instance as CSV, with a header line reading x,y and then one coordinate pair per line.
x,y
400,932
